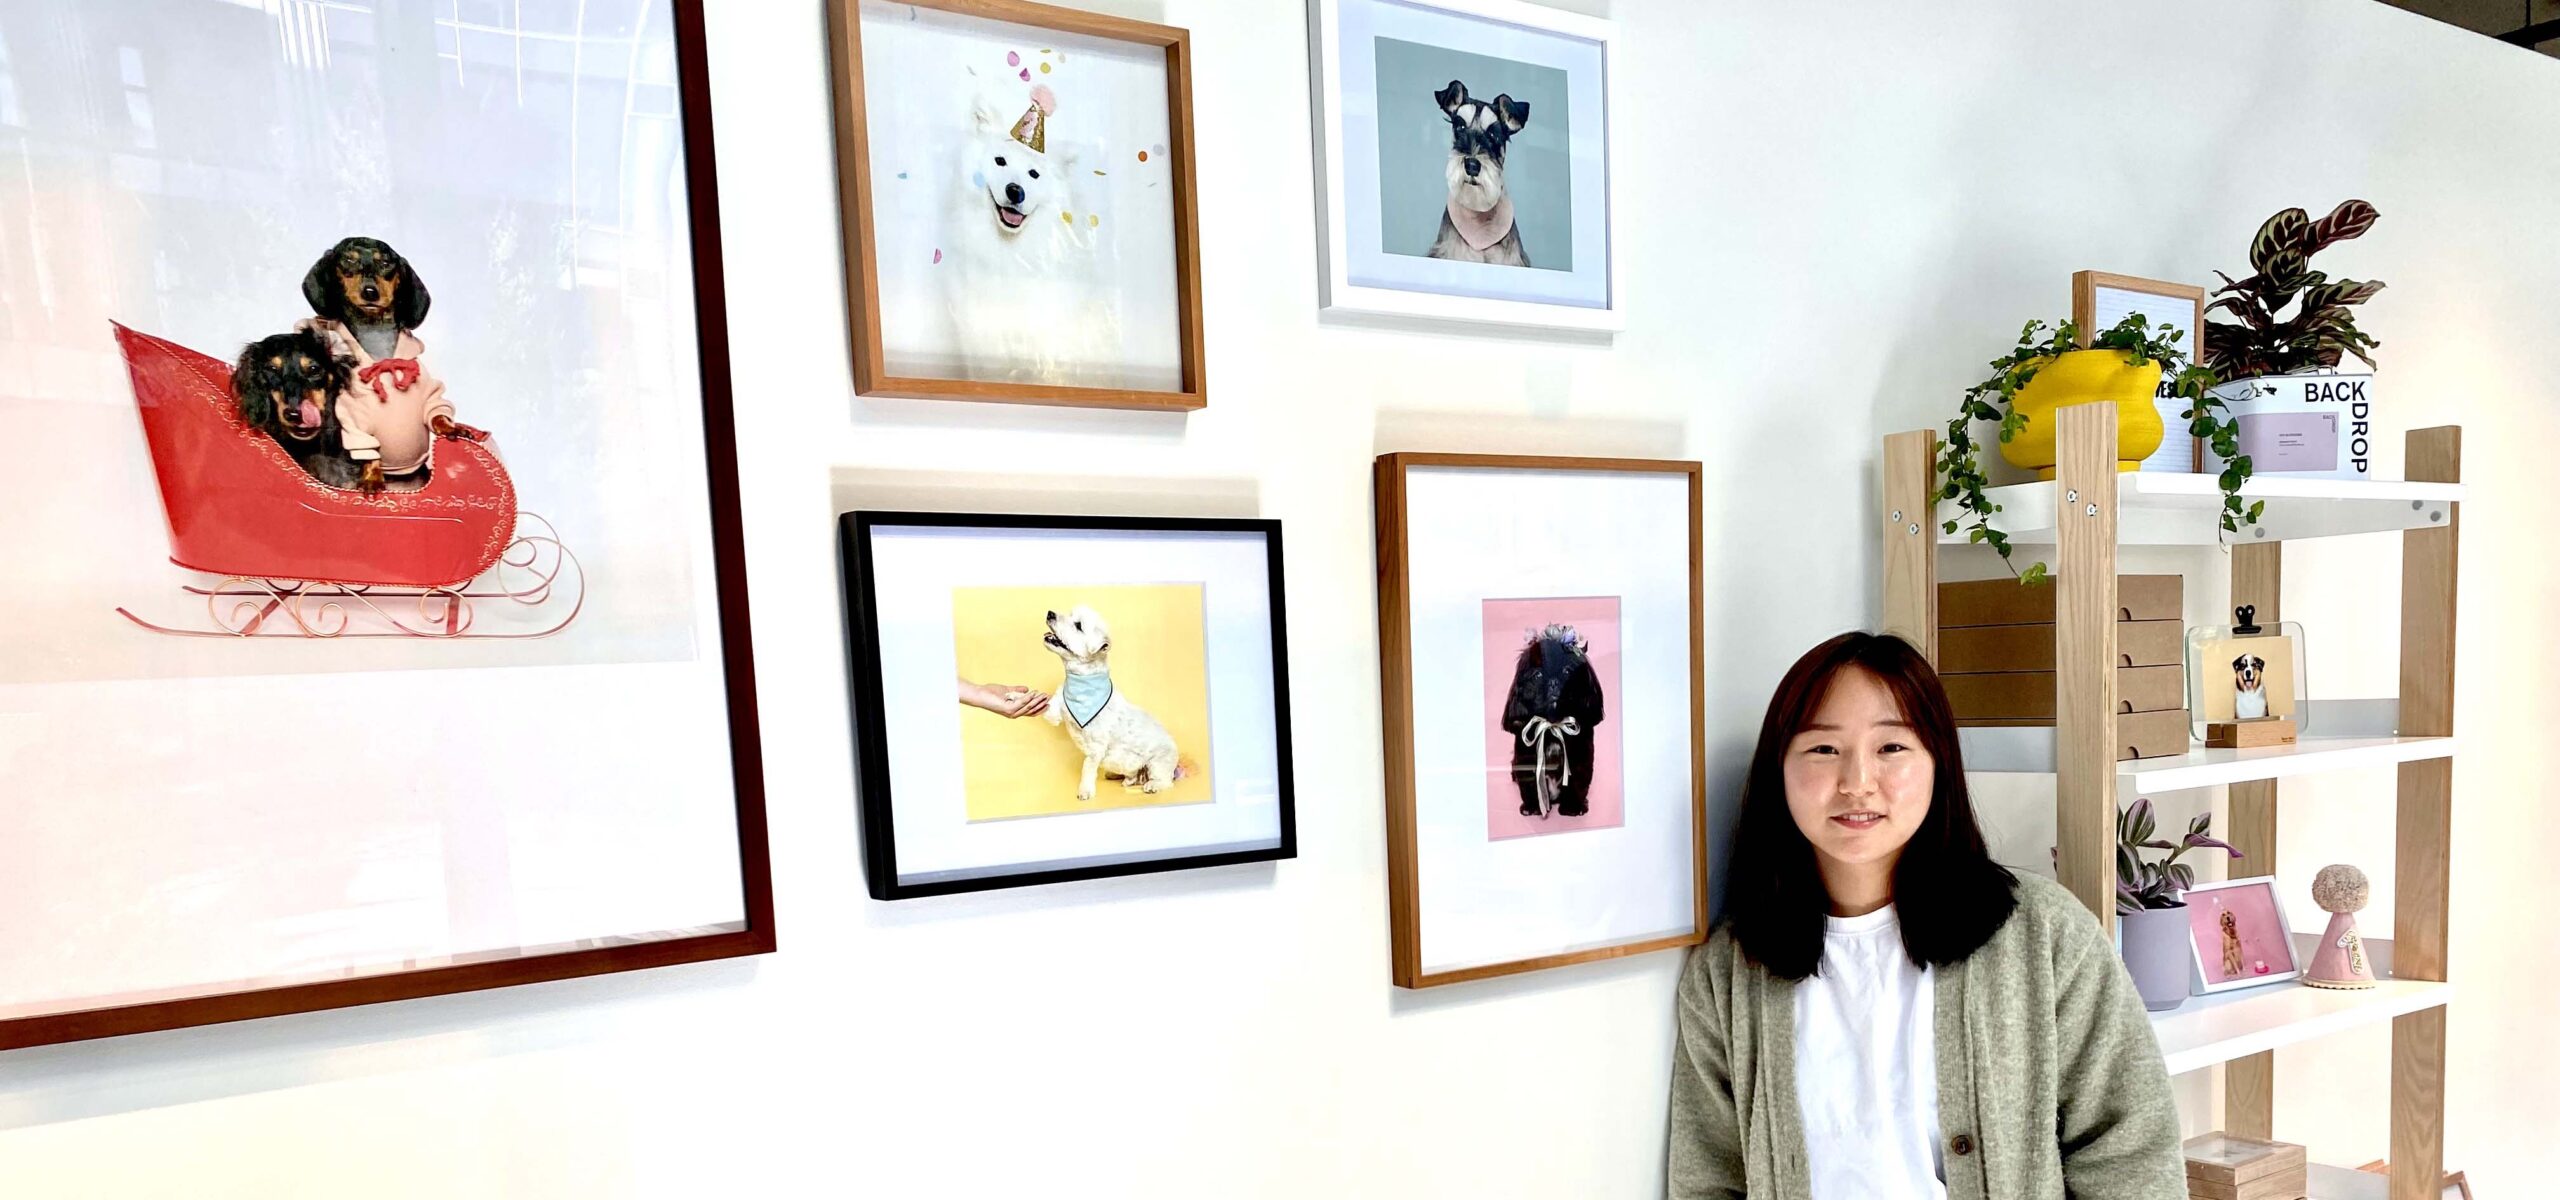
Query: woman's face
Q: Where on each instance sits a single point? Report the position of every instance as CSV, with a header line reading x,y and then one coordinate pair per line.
x,y
1858,781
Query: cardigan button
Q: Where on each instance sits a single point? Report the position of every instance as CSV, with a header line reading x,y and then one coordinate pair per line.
x,y
1962,1144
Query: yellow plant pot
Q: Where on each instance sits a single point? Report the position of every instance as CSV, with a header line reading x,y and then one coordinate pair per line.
x,y
2087,377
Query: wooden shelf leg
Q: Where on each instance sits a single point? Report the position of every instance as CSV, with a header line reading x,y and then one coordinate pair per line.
x,y
1910,525
2428,560
2249,1084
2084,635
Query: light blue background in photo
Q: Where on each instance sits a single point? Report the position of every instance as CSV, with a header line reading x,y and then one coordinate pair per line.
x,y
1413,148
1364,26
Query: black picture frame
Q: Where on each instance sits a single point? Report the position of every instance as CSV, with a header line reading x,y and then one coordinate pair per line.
x,y
871,735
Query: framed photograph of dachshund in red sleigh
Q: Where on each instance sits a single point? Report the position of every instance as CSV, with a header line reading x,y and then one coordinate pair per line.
x,y
377,620
1538,646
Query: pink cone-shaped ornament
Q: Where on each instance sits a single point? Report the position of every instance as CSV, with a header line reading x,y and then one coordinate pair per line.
x,y
2340,962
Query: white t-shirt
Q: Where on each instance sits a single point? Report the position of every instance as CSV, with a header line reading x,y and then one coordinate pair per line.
x,y
1867,1066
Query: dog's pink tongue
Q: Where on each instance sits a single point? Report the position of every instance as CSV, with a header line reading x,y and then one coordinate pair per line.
x,y
310,412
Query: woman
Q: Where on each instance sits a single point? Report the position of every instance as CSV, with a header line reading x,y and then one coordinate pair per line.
x,y
1887,1012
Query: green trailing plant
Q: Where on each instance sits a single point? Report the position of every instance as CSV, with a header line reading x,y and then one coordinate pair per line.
x,y
2322,329
1960,456
2141,885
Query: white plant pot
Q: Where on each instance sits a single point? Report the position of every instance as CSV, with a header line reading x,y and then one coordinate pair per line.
x,y
2317,424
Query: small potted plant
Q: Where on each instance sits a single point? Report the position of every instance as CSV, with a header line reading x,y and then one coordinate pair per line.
x,y
2285,364
2149,902
2047,370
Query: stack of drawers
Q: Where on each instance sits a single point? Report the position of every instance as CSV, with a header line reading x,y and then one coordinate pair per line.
x,y
1996,656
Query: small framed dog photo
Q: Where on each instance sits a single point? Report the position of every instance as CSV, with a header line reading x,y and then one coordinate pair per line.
x,y
2246,671
1018,204
1039,699
1464,151
2237,936
1538,629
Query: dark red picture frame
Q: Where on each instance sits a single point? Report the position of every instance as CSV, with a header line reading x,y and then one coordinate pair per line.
x,y
737,659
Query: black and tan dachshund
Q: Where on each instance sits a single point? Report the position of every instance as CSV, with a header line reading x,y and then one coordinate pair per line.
x,y
1554,714
364,285
287,385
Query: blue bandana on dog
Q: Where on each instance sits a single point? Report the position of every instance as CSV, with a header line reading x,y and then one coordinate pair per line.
x,y
1085,695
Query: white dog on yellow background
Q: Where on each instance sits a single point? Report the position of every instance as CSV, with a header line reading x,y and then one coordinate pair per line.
x,y
1117,737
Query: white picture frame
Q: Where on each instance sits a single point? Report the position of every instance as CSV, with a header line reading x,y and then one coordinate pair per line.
x,y
2200,975
1346,290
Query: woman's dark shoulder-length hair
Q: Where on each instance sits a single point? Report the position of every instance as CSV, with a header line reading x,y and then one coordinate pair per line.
x,y
1949,896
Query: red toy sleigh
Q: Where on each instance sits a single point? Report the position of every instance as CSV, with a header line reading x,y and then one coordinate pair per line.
x,y
331,562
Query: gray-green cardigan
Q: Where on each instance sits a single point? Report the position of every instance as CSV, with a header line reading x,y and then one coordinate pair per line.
x,y
2049,1081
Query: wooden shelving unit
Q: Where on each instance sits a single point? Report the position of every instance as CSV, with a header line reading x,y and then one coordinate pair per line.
x,y
2084,514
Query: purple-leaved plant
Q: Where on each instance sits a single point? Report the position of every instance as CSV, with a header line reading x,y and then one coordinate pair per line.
x,y
2141,885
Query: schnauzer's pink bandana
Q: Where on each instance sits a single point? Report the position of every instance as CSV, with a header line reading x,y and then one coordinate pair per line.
x,y
1481,229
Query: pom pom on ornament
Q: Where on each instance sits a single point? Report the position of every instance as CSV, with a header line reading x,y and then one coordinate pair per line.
x,y
2340,888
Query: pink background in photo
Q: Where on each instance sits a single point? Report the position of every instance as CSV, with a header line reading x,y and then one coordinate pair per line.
x,y
1507,626
2262,937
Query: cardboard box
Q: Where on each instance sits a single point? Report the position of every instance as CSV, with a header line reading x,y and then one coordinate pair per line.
x,y
1977,648
2318,424
2008,602
2025,695
2229,1160
2293,1184
2138,735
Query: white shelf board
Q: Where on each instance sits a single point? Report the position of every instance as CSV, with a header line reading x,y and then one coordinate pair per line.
x,y
2208,767
2355,733
2157,508
2216,1029
2343,1183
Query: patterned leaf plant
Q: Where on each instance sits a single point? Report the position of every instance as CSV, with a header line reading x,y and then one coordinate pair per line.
x,y
2141,885
2322,329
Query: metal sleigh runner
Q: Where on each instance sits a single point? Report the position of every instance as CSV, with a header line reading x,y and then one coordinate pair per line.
x,y
286,555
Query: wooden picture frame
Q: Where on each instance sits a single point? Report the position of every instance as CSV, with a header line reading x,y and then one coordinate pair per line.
x,y
861,191
880,763
2086,302
191,1001
1679,797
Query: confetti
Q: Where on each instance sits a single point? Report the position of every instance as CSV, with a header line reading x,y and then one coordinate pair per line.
x,y
1142,156
1068,217
1093,220
902,174
1100,171
1044,68
1026,75
1012,59
937,254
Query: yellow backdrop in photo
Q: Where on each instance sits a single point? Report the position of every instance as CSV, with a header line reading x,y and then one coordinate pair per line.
x,y
1026,767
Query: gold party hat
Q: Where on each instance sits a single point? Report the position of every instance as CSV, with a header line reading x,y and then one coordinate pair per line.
x,y
1033,130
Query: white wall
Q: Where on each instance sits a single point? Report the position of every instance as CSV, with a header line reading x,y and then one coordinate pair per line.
x,y
1836,211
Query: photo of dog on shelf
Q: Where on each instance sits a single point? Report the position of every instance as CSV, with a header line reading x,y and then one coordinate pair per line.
x,y
2247,678
346,393
1464,173
1551,673
1081,699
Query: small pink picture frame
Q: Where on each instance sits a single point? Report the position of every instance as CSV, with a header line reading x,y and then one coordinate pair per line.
x,y
2237,936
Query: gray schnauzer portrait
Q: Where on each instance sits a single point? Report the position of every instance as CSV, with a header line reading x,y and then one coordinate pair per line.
x,y
1477,225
